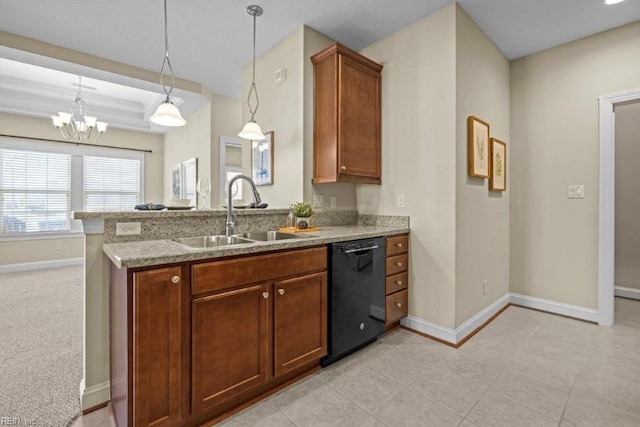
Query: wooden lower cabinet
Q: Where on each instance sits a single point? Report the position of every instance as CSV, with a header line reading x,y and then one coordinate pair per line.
x,y
157,347
231,345
300,322
183,353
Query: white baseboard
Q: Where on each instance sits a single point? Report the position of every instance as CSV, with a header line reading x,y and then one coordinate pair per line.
x,y
624,292
454,336
420,325
94,395
476,321
575,311
40,265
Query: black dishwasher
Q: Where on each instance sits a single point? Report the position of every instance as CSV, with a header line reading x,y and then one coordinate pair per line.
x,y
356,295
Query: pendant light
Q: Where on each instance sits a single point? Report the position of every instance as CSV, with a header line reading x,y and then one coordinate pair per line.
x,y
252,130
167,114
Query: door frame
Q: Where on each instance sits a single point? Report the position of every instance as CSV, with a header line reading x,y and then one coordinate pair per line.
x,y
606,217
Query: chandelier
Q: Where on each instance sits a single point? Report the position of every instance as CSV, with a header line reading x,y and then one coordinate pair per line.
x,y
79,124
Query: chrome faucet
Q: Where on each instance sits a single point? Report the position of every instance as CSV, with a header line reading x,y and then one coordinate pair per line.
x,y
231,224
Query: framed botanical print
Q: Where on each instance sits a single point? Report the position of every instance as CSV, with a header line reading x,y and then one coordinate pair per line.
x,y
478,147
176,181
498,178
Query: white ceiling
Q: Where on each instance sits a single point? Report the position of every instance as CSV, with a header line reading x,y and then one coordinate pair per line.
x,y
210,40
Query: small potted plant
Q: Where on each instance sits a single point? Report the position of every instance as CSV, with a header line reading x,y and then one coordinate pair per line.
x,y
302,212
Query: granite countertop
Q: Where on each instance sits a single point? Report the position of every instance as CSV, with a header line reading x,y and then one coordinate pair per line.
x,y
155,252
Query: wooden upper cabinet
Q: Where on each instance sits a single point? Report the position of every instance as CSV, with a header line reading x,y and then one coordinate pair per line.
x,y
300,321
347,115
157,346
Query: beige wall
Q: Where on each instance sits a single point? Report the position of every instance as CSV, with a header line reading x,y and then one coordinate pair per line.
x,y
482,216
419,155
186,142
554,143
226,120
280,111
627,221
28,251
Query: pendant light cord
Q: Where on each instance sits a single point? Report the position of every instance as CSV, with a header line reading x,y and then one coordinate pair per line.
x,y
166,61
253,80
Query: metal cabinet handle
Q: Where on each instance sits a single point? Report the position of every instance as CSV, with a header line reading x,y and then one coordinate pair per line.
x,y
265,295
175,279
399,305
343,167
399,282
399,245
399,264
281,291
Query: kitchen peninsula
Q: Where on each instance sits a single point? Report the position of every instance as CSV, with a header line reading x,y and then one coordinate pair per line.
x,y
186,295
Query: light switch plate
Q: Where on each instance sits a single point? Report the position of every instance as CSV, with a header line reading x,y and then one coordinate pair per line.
x,y
128,228
576,191
318,200
402,202
332,201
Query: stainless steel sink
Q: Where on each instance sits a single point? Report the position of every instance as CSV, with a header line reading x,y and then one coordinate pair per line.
x,y
211,241
266,236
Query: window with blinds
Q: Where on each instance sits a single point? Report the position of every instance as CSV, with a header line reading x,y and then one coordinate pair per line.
x,y
110,184
35,190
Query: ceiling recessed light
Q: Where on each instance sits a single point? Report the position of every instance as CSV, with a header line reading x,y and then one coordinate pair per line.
x,y
612,1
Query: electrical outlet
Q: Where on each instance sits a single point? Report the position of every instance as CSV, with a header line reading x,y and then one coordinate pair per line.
x,y
318,200
484,287
58,246
332,201
576,192
402,202
128,228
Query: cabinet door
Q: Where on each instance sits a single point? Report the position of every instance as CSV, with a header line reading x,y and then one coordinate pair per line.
x,y
231,345
157,346
300,316
358,120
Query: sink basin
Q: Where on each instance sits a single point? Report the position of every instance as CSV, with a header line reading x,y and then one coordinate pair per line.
x,y
211,241
265,236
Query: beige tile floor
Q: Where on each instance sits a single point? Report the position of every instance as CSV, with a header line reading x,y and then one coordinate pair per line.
x,y
526,368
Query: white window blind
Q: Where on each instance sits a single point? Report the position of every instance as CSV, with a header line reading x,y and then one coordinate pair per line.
x,y
34,191
111,184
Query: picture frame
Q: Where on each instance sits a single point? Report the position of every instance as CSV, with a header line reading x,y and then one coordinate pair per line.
x,y
498,178
478,147
176,181
262,163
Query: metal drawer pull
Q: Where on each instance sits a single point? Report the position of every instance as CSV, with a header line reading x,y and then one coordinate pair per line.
x,y
175,279
399,305
348,251
399,245
281,291
343,167
265,295
399,264
399,282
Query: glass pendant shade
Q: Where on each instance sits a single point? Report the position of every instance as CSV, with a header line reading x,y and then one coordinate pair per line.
x,y
251,131
168,114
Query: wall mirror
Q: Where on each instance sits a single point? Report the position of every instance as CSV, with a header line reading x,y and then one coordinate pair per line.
x,y
262,160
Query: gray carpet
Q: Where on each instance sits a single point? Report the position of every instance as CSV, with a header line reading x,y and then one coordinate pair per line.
x,y
41,346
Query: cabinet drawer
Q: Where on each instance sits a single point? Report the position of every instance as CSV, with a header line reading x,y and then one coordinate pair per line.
x,y
218,275
396,306
397,245
397,264
396,283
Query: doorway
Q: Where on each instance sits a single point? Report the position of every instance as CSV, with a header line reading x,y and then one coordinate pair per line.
x,y
606,233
